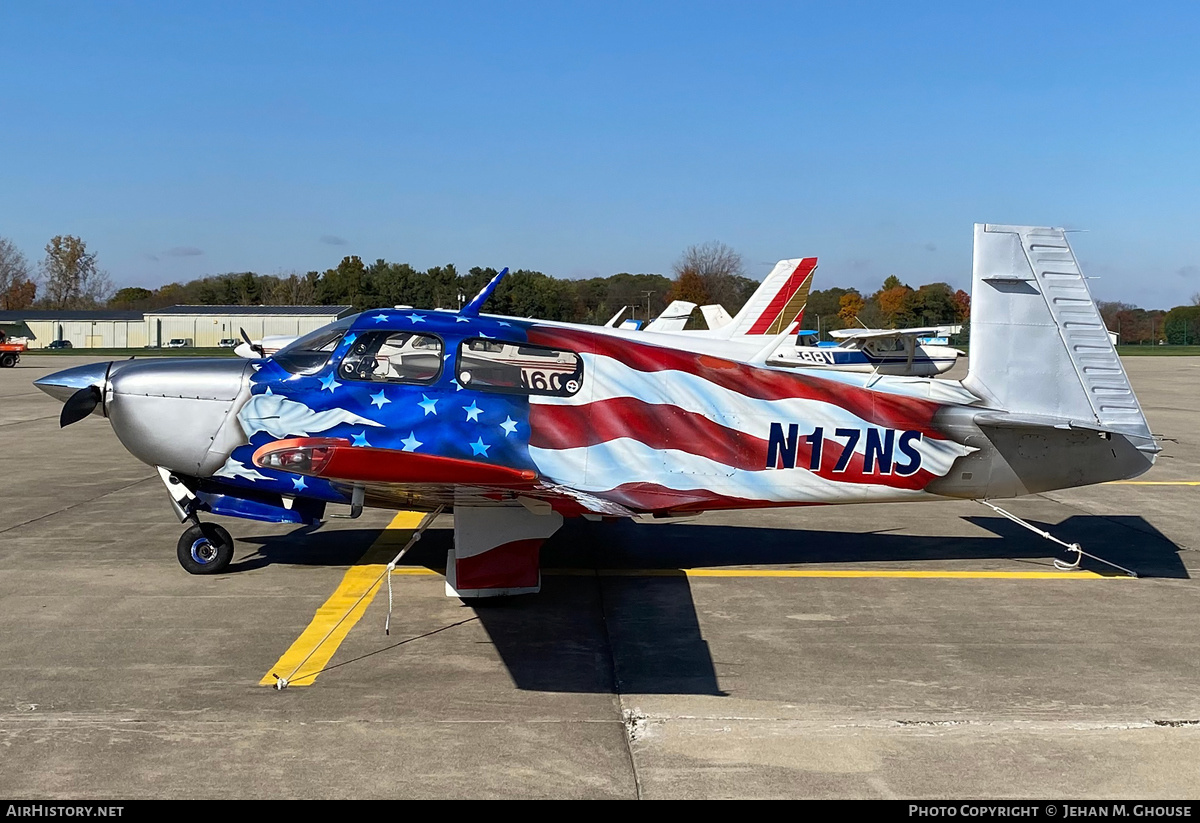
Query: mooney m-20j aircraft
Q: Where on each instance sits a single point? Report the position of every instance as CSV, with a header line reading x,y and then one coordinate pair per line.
x,y
515,424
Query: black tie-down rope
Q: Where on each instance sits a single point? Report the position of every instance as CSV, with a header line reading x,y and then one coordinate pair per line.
x,y
396,645
281,683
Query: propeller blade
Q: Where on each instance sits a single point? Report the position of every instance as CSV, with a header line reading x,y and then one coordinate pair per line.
x,y
79,405
253,346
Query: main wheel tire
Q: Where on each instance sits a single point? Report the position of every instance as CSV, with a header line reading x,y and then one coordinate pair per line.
x,y
8,360
205,548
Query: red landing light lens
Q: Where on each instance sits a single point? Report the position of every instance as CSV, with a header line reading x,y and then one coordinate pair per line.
x,y
297,459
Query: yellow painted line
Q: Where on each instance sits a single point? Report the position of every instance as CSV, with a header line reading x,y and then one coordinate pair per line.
x,y
828,573
859,573
344,608
1153,483
831,573
302,663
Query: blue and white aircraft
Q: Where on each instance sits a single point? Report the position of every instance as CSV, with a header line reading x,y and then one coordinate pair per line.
x,y
874,351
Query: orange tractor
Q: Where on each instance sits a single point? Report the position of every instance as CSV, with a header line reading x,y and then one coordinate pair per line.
x,y
10,353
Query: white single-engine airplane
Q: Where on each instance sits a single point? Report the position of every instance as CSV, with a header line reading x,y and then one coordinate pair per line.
x,y
514,425
873,351
780,301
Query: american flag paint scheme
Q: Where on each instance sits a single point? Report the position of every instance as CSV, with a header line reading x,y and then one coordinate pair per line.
x,y
513,424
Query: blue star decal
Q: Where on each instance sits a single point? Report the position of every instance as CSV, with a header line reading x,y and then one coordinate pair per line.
x,y
299,484
360,439
462,320
416,318
380,318
329,383
380,399
457,385
348,339
268,391
502,323
411,442
479,447
430,406
473,411
509,425
488,336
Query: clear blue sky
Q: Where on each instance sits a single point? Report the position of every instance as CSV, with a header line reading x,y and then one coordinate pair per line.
x,y
590,138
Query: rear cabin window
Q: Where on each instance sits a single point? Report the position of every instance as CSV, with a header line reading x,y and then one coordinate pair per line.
x,y
518,368
393,357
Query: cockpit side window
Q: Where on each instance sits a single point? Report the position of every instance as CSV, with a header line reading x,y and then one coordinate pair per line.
x,y
518,368
311,352
393,357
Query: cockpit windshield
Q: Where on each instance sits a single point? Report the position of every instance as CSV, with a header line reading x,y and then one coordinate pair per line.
x,y
311,352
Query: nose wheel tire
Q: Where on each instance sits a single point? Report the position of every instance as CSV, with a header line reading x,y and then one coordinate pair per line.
x,y
205,548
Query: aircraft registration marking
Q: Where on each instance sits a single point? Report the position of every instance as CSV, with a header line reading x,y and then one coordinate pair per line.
x,y
312,650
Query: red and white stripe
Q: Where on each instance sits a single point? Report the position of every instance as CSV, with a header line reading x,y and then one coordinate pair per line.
x,y
765,305
659,428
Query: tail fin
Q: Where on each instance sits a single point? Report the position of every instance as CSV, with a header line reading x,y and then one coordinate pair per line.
x,y
1039,347
715,316
778,302
673,318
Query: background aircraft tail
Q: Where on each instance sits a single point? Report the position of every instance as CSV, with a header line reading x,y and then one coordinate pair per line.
x,y
673,318
1039,348
778,302
715,316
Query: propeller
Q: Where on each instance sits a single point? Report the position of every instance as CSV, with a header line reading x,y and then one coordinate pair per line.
x,y
257,347
79,405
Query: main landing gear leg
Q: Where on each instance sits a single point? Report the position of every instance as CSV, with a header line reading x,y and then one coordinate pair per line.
x,y
1061,565
496,551
203,548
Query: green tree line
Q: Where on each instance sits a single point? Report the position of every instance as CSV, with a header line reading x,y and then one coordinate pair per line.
x,y
69,277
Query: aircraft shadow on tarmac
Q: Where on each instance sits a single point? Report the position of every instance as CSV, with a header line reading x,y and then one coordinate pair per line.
x,y
588,631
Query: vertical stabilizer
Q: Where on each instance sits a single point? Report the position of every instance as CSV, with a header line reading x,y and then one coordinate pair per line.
x,y
778,302
673,318
715,316
1038,343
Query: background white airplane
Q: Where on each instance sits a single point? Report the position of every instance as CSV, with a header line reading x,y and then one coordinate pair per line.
x,y
878,351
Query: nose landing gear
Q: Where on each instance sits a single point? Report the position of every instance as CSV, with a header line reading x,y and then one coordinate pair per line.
x,y
205,548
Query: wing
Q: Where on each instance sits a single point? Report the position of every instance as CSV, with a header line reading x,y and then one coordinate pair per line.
x,y
426,479
880,334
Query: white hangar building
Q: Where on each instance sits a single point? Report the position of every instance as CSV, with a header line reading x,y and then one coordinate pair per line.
x,y
207,326
201,326
101,329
